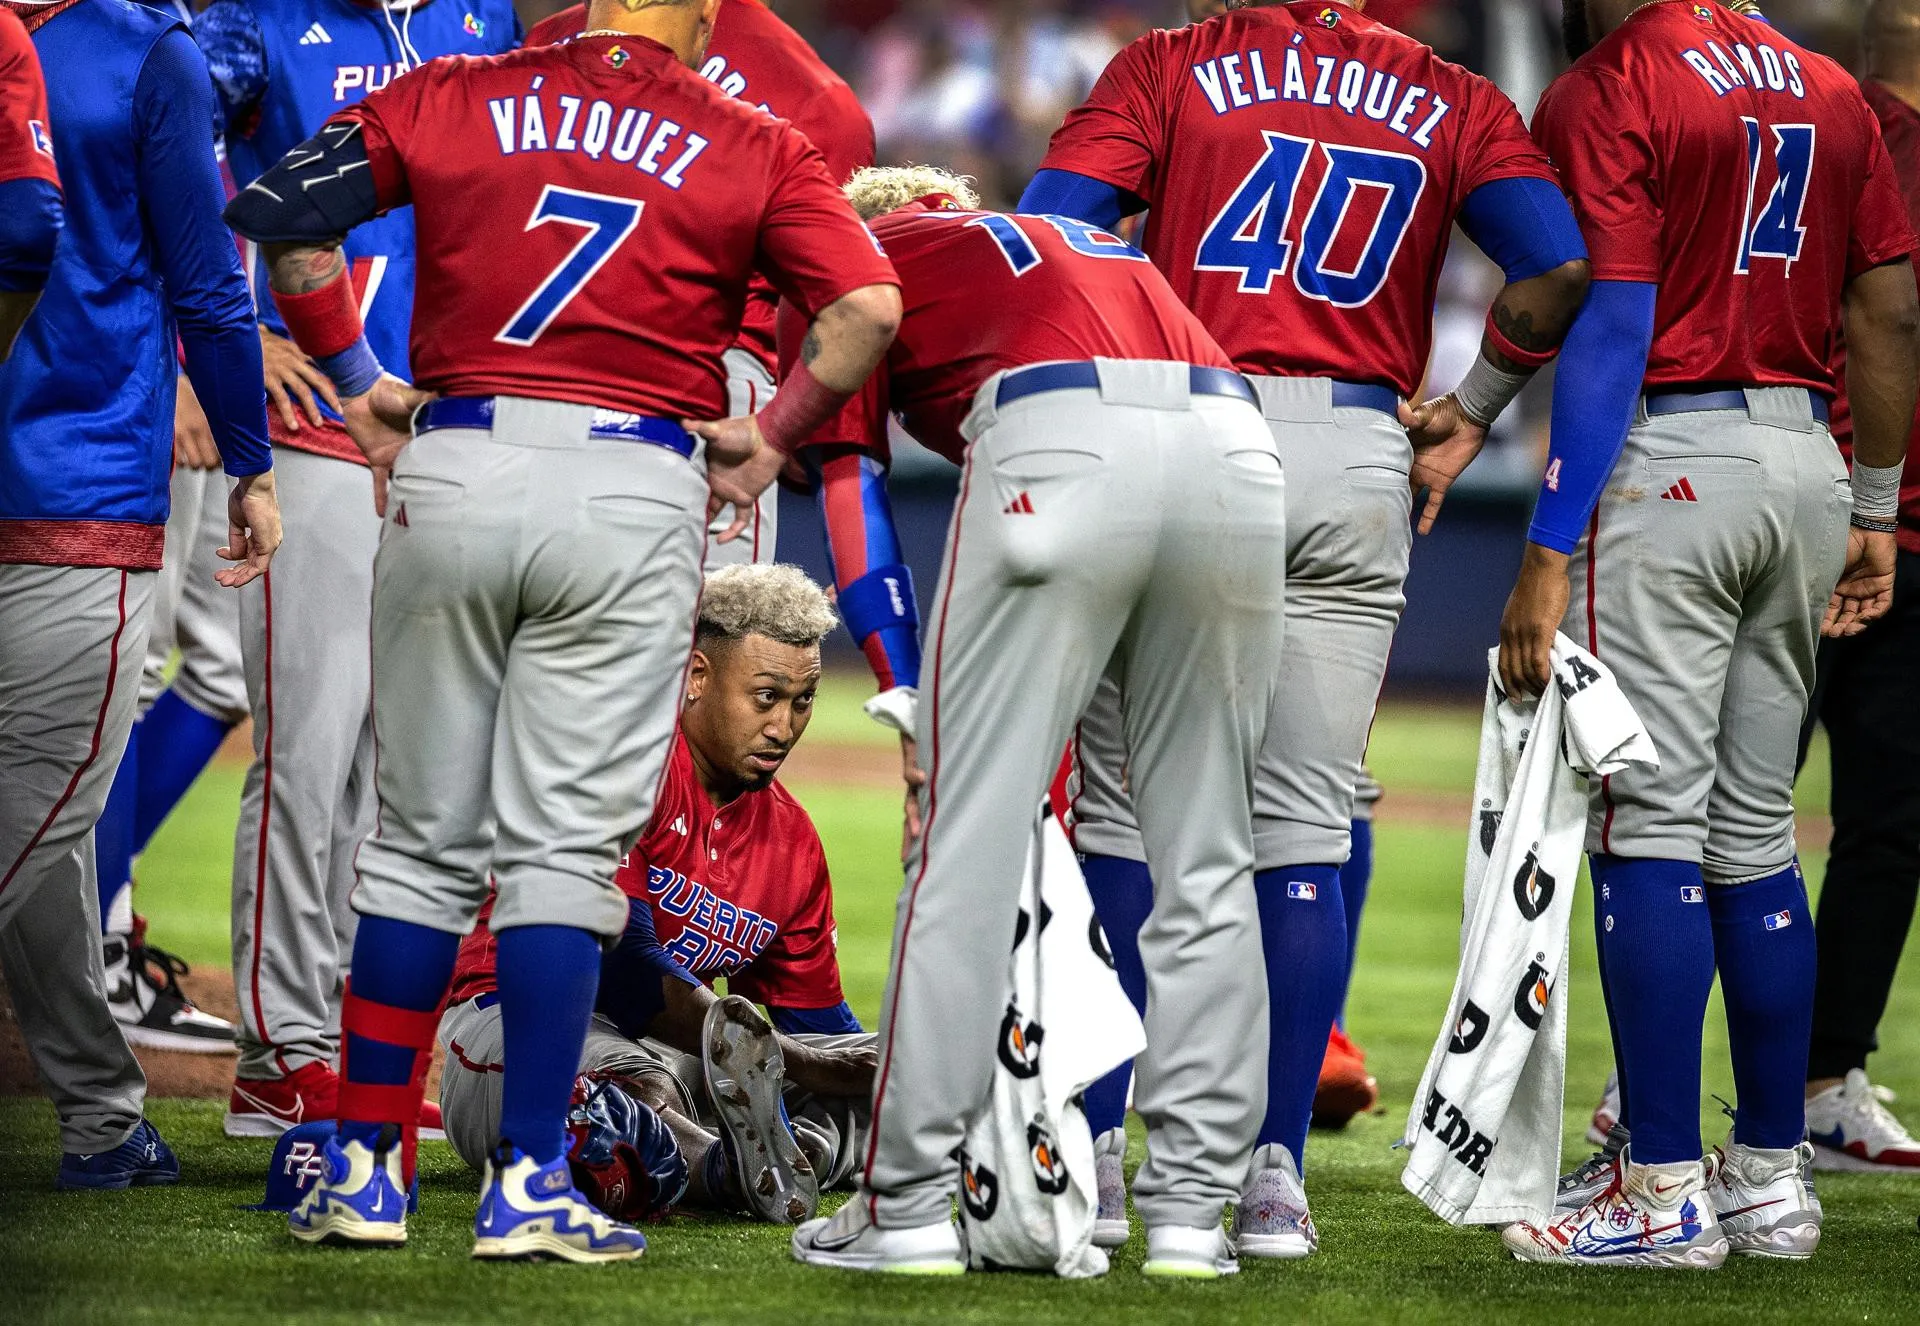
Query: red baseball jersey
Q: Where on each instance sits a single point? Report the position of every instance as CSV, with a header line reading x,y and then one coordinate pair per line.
x,y
1302,165
741,892
1900,132
1745,175
759,59
26,146
589,217
985,291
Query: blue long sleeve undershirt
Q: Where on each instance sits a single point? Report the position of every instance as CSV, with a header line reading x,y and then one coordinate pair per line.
x,y
194,251
31,215
1595,395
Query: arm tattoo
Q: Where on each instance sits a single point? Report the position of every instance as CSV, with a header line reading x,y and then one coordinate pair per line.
x,y
1519,328
303,268
810,348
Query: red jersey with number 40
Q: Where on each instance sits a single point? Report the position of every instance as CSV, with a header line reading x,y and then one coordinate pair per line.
x,y
26,146
986,291
589,218
759,59
1303,166
1745,175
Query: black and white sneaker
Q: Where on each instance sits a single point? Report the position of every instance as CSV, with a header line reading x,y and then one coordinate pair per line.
x,y
1579,1186
143,989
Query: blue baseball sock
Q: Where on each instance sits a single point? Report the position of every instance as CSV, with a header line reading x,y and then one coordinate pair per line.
x,y
1303,931
1656,947
1355,876
548,976
1122,892
1763,938
179,741
401,971
113,837
1619,1061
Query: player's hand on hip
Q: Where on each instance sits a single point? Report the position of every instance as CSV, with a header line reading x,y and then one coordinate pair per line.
x,y
293,380
1865,591
916,778
192,439
1445,441
253,529
740,467
1534,612
380,421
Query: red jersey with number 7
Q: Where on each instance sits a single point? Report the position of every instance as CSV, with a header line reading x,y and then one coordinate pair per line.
x,y
26,146
1303,166
589,220
1705,152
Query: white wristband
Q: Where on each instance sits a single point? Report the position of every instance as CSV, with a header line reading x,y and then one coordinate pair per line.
x,y
1486,390
1876,491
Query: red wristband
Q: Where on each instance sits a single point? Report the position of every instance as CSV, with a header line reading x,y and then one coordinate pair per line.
x,y
801,406
325,321
1524,358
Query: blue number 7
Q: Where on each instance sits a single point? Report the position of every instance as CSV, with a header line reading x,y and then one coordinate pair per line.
x,y
607,220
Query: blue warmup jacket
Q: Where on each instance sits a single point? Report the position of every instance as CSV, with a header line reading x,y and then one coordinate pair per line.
x,y
143,267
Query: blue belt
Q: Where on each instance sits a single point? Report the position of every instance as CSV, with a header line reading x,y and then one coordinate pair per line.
x,y
1085,375
476,412
486,1000
1366,396
1733,398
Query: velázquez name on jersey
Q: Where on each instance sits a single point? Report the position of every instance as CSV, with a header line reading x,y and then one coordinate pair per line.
x,y
1237,81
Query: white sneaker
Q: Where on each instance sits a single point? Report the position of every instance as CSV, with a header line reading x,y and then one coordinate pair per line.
x,y
1272,1219
1657,1215
1852,1129
1189,1253
851,1241
1110,1227
1606,1115
143,990
1765,1199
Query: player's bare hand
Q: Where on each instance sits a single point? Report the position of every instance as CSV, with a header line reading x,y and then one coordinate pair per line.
x,y
253,529
831,1072
295,384
1865,591
380,421
1445,441
192,439
916,778
1533,616
740,467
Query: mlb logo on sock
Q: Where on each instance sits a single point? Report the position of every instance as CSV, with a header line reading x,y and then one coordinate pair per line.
x,y
1692,893
1779,920
1303,890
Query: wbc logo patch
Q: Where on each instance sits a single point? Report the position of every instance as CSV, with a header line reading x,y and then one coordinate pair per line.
x,y
475,27
42,140
1779,920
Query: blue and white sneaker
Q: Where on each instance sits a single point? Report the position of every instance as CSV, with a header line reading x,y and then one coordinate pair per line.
x,y
359,1200
1652,1215
143,1160
529,1211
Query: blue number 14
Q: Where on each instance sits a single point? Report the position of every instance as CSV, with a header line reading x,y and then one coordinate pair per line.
x,y
1776,231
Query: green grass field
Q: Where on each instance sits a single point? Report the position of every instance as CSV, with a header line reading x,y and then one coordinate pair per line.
x,y
188,1253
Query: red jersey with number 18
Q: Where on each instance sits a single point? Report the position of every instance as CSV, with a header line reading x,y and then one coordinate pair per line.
x,y
26,147
1303,166
1706,152
589,219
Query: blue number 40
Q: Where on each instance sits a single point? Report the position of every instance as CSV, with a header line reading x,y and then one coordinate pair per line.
x,y
1776,231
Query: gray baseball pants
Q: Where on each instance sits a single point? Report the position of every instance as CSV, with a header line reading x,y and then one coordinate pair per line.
x,y
1701,582
191,611
1349,536
308,798
749,387
533,611
71,643
470,1084
1141,527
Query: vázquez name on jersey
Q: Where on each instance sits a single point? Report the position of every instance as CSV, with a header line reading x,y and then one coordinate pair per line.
x,y
596,129
1237,81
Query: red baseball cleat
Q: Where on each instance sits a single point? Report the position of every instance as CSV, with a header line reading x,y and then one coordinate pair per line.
x,y
1346,1087
267,1107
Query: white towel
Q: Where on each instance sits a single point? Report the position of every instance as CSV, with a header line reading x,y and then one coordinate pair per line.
x,y
1484,1133
1027,1174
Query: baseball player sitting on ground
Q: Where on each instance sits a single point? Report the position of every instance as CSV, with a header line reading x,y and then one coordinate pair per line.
x,y
729,881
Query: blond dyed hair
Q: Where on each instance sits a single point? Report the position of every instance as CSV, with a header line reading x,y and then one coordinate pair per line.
x,y
777,601
877,190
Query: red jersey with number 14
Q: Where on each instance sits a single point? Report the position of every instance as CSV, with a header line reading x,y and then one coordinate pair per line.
x,y
759,59
589,219
986,291
1706,152
26,147
1303,166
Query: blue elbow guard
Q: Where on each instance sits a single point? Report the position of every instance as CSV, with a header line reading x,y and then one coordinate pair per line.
x,y
1525,225
881,602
